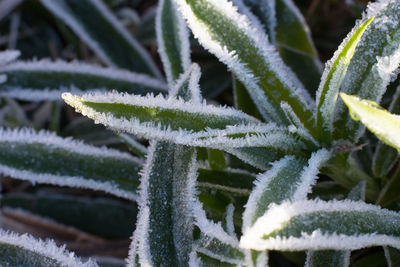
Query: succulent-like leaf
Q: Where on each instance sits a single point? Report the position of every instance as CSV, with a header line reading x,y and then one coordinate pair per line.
x,y
46,158
24,250
334,73
374,63
316,225
386,156
229,35
164,226
46,80
111,42
108,218
288,31
384,125
172,39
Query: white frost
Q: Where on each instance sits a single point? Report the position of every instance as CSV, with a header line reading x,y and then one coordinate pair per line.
x,y
45,248
8,56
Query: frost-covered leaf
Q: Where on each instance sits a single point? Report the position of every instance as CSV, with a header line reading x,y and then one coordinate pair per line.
x,y
316,225
374,64
172,39
105,217
24,250
46,158
111,42
8,56
186,123
386,156
289,178
384,125
187,85
222,252
328,258
47,80
288,31
230,180
392,256
335,258
334,73
164,226
243,100
246,51
216,159
133,145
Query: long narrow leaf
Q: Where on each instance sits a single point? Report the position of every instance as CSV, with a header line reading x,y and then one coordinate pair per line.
x,y
288,31
46,80
315,225
46,158
374,63
172,40
229,35
386,156
164,227
111,42
331,80
392,256
384,125
290,178
185,123
24,250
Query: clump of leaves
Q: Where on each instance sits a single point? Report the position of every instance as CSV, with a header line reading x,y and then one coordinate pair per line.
x,y
218,185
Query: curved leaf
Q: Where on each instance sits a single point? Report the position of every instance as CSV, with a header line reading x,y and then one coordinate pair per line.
x,y
373,65
111,42
331,80
384,125
47,80
46,158
316,225
228,35
24,250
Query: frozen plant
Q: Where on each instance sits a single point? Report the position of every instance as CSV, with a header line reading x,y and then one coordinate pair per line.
x,y
220,186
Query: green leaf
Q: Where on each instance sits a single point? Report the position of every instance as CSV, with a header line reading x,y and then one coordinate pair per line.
x,y
165,221
384,125
234,181
385,156
216,159
331,81
243,100
289,178
24,250
108,218
318,225
246,51
215,249
172,39
133,145
335,258
111,42
46,158
287,29
392,256
390,192
47,80
328,258
373,65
